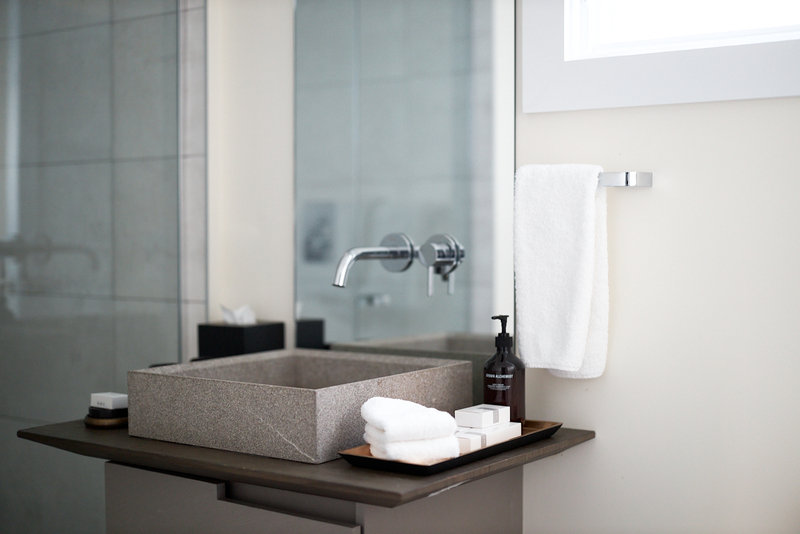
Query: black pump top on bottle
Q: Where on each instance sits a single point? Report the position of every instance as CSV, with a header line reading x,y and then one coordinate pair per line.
x,y
503,340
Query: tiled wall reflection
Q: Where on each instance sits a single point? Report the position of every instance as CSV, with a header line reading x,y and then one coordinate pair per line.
x,y
102,225
393,126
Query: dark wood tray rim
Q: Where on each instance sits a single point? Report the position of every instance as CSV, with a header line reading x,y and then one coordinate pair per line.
x,y
531,431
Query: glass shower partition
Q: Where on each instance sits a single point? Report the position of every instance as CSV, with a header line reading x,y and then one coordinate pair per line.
x,y
89,232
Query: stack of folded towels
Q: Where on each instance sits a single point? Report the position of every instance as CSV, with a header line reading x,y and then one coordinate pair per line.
x,y
408,432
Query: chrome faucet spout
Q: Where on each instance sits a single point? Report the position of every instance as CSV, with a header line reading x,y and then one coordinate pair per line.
x,y
396,253
360,253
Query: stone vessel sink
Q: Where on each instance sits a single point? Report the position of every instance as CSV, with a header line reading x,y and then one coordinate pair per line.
x,y
301,405
475,348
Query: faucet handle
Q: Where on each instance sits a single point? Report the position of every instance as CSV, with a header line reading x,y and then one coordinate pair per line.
x,y
431,271
449,277
451,282
441,254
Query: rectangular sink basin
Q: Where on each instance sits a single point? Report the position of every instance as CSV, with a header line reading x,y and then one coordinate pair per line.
x,y
475,348
299,404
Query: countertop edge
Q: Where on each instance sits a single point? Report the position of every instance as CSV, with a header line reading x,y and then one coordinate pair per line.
x,y
327,480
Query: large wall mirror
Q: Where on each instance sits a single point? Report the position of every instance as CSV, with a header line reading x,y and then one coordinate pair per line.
x,y
404,123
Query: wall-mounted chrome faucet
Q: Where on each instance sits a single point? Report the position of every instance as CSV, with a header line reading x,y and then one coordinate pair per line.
x,y
441,254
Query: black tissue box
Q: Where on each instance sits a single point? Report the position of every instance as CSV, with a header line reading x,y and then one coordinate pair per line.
x,y
310,334
221,339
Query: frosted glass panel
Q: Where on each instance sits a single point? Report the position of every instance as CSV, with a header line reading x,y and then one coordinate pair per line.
x,y
89,247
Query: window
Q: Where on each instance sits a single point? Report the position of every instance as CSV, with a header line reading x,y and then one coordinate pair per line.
x,y
609,28
584,54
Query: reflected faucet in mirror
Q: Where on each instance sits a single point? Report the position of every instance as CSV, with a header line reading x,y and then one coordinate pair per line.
x,y
441,254
44,247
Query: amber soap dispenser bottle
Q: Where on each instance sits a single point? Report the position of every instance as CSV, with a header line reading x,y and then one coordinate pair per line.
x,y
504,375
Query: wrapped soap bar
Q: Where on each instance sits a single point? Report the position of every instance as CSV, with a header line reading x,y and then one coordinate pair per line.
x,y
483,415
494,434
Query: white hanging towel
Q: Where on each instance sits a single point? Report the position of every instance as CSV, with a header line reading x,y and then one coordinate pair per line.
x,y
561,269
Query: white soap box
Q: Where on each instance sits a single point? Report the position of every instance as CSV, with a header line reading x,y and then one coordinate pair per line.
x,y
109,400
483,415
486,437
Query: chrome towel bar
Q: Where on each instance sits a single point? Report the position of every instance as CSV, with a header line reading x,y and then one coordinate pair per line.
x,y
625,179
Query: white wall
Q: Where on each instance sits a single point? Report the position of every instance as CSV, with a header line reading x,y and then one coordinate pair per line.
x,y
697,415
250,158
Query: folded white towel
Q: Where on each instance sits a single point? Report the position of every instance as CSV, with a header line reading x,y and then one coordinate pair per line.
x,y
561,269
418,451
402,420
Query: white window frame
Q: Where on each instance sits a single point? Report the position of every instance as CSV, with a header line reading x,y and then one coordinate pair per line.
x,y
549,83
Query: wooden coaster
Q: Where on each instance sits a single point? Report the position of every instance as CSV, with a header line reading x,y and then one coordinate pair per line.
x,y
116,422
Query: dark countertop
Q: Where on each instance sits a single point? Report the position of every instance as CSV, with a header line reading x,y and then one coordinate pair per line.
x,y
336,479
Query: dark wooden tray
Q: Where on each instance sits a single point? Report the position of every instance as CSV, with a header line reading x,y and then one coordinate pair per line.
x,y
531,431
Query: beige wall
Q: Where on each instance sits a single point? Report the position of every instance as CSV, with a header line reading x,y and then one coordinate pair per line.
x,y
251,159
697,415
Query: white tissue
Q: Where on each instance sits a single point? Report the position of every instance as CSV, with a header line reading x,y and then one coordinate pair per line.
x,y
241,316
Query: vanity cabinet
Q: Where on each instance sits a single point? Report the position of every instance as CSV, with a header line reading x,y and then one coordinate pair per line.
x,y
154,486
